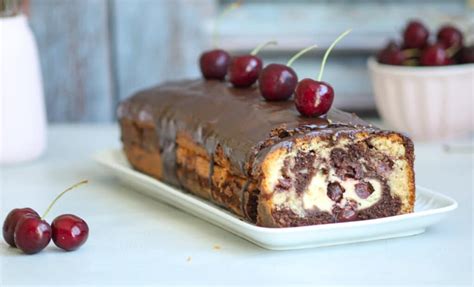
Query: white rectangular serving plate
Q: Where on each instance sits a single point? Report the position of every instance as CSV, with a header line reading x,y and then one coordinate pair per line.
x,y
430,207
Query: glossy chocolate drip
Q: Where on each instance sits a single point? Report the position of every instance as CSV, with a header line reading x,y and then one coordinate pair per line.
x,y
240,120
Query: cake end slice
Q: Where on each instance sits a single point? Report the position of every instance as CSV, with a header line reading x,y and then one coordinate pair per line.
x,y
337,177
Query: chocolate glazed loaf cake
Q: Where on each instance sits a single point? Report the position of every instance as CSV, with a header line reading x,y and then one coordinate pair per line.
x,y
263,161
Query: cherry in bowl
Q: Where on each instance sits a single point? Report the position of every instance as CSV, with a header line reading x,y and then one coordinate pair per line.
x,y
466,55
449,37
415,35
435,55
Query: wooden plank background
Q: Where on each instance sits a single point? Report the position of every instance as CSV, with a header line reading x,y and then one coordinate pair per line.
x,y
73,40
157,42
95,53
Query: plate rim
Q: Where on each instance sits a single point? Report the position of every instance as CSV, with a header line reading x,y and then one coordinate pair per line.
x,y
103,157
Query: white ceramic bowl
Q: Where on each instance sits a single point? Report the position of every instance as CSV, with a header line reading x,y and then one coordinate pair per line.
x,y
426,103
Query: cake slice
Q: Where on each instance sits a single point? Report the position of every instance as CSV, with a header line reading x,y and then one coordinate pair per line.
x,y
264,162
336,177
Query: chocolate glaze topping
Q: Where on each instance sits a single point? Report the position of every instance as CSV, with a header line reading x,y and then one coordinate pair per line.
x,y
239,120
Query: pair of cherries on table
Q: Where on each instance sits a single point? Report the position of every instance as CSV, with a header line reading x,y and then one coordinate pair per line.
x,y
276,82
26,230
416,49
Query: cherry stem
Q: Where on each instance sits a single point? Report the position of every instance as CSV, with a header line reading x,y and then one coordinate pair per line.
x,y
411,62
451,51
60,195
329,51
226,11
299,54
409,53
261,46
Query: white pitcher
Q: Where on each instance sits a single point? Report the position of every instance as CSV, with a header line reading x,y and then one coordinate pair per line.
x,y
22,110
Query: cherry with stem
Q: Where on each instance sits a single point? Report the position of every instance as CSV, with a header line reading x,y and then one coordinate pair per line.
x,y
314,98
244,70
214,63
33,233
277,82
393,54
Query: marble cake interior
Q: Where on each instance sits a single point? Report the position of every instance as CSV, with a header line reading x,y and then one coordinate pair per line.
x,y
336,178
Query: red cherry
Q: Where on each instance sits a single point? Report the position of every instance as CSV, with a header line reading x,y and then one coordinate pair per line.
x,y
434,55
449,36
415,35
11,222
466,55
214,64
313,98
391,55
244,70
277,82
32,234
69,231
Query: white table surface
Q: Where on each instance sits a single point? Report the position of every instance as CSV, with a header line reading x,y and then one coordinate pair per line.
x,y
135,240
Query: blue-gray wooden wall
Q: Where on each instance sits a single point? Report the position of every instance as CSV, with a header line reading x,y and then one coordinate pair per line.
x,y
96,52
